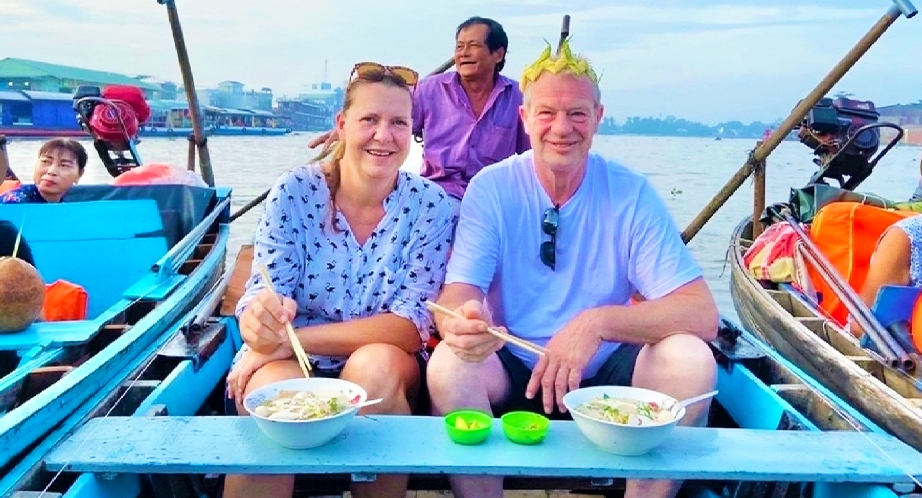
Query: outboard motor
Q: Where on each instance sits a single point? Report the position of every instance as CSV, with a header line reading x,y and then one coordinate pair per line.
x,y
112,117
844,135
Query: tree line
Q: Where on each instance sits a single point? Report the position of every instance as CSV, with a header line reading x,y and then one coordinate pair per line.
x,y
678,127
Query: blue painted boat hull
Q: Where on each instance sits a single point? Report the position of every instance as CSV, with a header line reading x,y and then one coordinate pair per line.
x,y
759,389
148,309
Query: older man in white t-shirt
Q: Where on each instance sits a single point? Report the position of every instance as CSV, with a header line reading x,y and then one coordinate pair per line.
x,y
554,243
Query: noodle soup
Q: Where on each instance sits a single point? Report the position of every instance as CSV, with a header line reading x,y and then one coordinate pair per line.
x,y
304,412
305,405
622,420
625,411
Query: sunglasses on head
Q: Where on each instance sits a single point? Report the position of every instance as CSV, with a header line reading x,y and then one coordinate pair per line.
x,y
548,250
373,70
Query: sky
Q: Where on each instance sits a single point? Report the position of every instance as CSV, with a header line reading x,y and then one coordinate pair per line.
x,y
704,60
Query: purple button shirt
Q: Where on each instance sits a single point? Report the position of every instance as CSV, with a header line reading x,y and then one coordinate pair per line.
x,y
457,144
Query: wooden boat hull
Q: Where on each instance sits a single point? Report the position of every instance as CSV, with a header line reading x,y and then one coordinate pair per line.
x,y
194,270
824,351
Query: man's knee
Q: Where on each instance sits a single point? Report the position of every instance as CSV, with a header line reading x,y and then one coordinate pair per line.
x,y
449,377
683,357
443,370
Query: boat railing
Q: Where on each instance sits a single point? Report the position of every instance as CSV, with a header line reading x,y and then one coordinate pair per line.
x,y
169,264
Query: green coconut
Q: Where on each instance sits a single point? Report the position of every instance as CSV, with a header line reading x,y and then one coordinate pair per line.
x,y
22,293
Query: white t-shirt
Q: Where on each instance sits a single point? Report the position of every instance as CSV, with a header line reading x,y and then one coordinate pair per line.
x,y
615,236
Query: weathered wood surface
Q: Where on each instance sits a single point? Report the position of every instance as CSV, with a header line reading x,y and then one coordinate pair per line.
x,y
887,405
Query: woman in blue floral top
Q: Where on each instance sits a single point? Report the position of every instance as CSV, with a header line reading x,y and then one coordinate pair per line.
x,y
355,247
60,165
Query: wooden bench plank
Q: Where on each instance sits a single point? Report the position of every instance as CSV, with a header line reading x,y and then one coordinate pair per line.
x,y
404,444
51,334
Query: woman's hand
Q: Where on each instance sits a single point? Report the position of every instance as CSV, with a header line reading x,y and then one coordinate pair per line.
x,y
248,364
262,323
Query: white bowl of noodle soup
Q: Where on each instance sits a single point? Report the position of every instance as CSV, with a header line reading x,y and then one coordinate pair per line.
x,y
304,413
610,430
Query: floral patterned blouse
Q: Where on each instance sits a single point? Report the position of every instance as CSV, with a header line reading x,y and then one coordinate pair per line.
x,y
913,228
330,275
22,195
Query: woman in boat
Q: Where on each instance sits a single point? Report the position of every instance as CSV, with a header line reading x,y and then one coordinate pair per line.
x,y
354,246
60,165
897,260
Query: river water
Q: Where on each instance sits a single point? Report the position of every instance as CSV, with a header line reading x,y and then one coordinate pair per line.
x,y
687,172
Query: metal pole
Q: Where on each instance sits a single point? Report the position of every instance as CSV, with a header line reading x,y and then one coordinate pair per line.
x,y
821,89
198,133
888,347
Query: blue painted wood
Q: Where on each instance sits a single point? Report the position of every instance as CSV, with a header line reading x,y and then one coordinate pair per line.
x,y
81,389
153,287
392,445
182,392
13,379
91,220
79,242
760,408
51,334
117,486
840,490
185,389
169,264
894,303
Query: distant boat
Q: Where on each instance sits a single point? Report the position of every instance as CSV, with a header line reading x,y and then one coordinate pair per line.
x,y
154,131
31,114
171,118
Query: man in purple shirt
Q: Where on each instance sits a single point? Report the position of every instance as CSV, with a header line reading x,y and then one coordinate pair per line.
x,y
467,118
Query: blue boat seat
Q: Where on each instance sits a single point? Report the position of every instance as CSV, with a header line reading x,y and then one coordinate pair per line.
x,y
387,444
181,207
103,246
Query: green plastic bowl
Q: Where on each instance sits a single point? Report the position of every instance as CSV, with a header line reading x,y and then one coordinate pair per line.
x,y
525,427
461,431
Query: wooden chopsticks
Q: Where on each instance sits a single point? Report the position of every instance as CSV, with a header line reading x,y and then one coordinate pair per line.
x,y
522,343
292,337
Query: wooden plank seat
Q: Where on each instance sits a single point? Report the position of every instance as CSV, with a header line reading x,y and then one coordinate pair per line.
x,y
51,334
418,445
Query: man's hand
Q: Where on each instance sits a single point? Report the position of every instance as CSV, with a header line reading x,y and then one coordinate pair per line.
x,y
561,370
325,139
262,323
468,338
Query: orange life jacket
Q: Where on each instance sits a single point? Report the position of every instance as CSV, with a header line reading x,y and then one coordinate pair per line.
x,y
847,234
9,185
64,301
